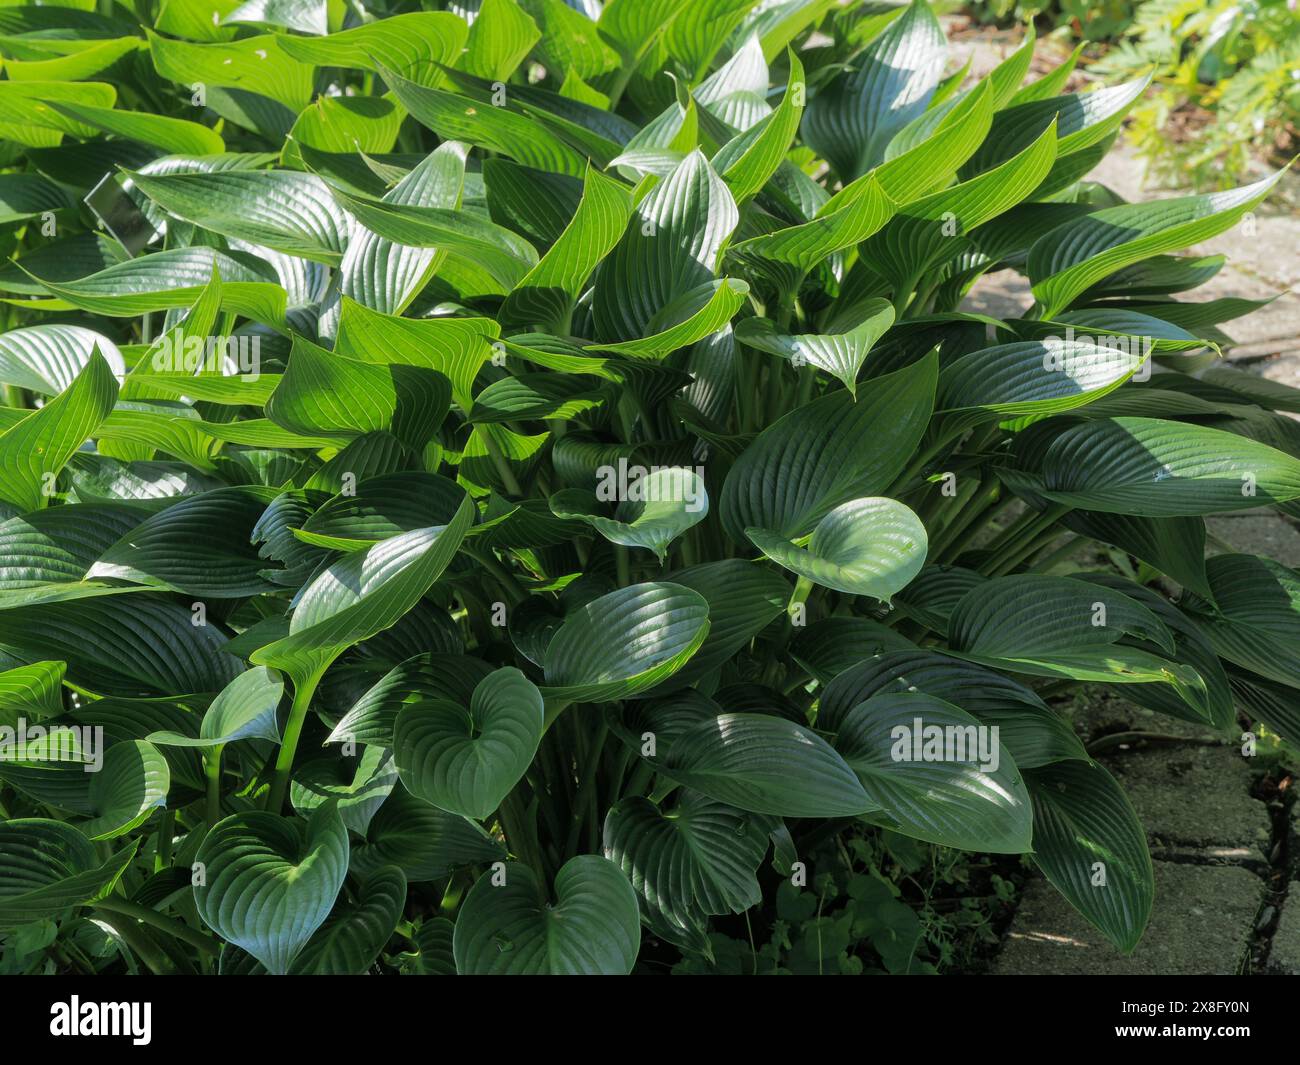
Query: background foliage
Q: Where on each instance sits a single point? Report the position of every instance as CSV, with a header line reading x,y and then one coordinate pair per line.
x,y
1227,85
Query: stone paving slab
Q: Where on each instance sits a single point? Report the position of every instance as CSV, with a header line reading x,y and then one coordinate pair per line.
x,y
1284,953
1284,369
1200,926
1291,849
1004,294
1257,534
1195,800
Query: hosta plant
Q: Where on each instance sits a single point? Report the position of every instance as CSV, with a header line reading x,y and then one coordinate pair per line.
x,y
494,490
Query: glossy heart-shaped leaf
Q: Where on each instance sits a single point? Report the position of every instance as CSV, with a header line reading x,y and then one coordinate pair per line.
x,y
826,453
412,44
385,276
851,120
937,773
47,358
494,128
544,297
625,642
841,355
670,247
326,395
132,782
200,546
455,347
355,931
358,788
130,645
269,882
433,941
349,940
1035,377
510,924
1033,734
1255,619
464,760
33,691
1092,847
742,598
766,765
1060,626
505,256
654,511
696,859
1165,469
870,547
280,209
424,842
380,507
